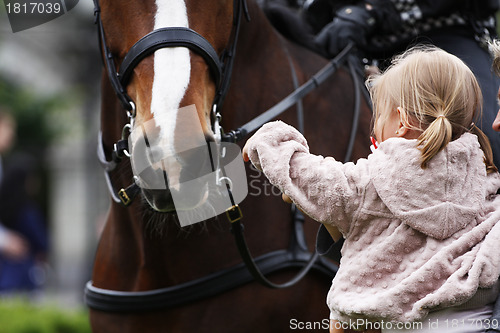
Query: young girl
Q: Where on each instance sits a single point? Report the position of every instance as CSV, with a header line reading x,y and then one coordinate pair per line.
x,y
419,215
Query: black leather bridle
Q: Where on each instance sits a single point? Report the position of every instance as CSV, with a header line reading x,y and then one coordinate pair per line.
x,y
297,255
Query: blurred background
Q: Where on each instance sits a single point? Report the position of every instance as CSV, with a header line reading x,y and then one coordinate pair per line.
x,y
49,83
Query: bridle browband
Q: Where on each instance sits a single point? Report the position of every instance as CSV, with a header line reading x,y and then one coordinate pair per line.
x,y
297,255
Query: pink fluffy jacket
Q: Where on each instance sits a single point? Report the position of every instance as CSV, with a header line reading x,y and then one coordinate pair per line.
x,y
415,239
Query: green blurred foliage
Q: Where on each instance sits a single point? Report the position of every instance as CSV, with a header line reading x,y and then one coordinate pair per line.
x,y
18,316
33,115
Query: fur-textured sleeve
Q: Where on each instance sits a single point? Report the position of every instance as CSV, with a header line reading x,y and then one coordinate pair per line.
x,y
325,189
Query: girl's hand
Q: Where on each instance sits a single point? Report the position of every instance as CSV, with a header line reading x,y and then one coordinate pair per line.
x,y
244,152
286,198
246,158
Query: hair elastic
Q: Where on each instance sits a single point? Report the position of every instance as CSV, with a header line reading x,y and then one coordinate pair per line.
x,y
441,116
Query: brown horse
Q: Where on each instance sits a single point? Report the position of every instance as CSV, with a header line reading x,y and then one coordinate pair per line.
x,y
142,248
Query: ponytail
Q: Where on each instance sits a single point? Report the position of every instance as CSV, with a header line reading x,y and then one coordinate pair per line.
x,y
434,138
440,133
486,147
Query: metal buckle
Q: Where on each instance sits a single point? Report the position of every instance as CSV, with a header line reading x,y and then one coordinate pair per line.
x,y
124,197
133,111
234,213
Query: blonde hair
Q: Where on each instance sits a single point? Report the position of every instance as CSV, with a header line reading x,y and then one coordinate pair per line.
x,y
436,93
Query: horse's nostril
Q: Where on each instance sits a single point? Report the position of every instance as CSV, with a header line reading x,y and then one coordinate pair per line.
x,y
159,200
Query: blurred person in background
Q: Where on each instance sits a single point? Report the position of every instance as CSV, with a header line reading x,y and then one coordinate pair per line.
x,y
495,48
381,28
23,234
11,244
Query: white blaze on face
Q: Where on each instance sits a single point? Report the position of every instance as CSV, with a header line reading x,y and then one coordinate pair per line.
x,y
172,68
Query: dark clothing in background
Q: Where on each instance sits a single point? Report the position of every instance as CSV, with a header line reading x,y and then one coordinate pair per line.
x,y
19,213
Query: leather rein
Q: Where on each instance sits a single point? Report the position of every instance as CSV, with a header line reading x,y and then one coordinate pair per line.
x,y
296,256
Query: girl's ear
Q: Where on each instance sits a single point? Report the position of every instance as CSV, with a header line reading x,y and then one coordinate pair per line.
x,y
402,129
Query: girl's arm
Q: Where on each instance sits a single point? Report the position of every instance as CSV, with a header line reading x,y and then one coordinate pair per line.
x,y
332,230
323,188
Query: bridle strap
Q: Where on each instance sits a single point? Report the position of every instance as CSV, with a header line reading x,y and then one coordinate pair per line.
x,y
298,243
357,111
166,38
205,287
324,73
109,61
228,55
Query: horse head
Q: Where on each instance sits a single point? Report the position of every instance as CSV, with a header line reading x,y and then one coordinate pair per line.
x,y
171,90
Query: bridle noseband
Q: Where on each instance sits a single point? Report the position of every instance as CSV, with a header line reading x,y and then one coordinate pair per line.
x,y
297,255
